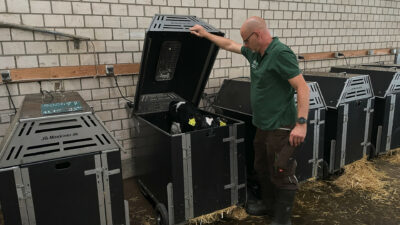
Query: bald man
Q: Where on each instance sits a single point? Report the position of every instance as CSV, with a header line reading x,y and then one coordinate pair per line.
x,y
275,76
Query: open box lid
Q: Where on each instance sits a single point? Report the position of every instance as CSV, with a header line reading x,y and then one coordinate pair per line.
x,y
175,63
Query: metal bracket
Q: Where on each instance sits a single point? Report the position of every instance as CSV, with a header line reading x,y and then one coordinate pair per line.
x,y
76,43
390,123
170,197
187,176
368,111
234,185
344,135
315,161
378,140
24,193
100,190
332,156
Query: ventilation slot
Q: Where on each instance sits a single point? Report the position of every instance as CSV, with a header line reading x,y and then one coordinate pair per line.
x,y
92,121
359,81
207,27
42,146
98,138
19,150
30,128
77,140
11,152
104,136
160,18
87,124
394,85
173,27
355,94
22,129
56,122
157,26
58,128
41,153
175,18
79,146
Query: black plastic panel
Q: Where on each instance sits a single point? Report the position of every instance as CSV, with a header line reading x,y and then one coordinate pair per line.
x,y
330,88
174,61
234,95
395,143
65,188
9,198
380,78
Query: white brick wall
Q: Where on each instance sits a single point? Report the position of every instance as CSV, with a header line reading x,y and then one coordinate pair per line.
x,y
33,20
61,7
3,6
40,7
35,47
18,6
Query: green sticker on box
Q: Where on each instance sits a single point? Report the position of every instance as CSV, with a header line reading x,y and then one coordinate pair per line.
x,y
61,107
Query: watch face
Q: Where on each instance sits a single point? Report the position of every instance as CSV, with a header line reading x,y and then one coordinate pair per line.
x,y
301,120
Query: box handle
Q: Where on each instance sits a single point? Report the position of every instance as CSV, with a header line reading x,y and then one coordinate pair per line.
x,y
62,166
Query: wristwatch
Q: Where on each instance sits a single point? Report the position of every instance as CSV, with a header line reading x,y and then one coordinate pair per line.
x,y
301,120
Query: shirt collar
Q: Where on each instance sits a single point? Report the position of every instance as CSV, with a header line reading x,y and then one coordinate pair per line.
x,y
271,46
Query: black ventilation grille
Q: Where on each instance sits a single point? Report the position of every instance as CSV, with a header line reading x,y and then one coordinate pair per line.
x,y
51,138
177,23
156,102
394,86
356,88
316,100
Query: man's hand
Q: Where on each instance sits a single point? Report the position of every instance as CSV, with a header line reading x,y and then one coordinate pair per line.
x,y
198,31
298,134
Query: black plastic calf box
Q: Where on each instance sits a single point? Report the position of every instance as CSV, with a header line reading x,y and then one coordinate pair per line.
x,y
383,65
348,120
188,174
60,165
386,122
233,100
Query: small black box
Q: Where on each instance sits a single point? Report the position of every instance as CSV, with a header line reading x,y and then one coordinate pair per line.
x,y
348,122
386,122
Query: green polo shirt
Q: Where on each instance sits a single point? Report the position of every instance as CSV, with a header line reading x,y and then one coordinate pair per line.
x,y
272,96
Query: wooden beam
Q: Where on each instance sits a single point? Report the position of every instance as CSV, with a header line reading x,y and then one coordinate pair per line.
x,y
63,72
351,53
318,56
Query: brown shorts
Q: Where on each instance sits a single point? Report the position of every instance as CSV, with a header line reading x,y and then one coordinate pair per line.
x,y
273,158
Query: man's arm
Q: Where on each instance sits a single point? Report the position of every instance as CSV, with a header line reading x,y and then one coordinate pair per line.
x,y
303,97
222,42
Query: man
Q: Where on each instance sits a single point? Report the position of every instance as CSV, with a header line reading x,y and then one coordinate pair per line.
x,y
275,76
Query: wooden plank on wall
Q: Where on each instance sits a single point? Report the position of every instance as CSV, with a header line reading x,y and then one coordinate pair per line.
x,y
63,72
351,53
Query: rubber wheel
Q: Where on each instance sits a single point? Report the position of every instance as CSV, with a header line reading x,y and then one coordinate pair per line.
x,y
141,189
162,214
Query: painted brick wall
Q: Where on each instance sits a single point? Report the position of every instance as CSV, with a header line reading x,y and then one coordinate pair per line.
x,y
117,27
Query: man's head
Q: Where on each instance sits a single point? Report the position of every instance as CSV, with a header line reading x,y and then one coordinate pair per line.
x,y
255,34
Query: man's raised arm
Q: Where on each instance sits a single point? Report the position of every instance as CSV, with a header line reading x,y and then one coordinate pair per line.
x,y
222,42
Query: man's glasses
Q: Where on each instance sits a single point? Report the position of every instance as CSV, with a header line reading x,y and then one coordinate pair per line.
x,y
247,39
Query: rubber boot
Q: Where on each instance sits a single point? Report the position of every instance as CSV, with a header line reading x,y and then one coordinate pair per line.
x,y
283,207
265,201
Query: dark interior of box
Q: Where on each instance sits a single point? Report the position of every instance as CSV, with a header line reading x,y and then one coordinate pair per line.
x,y
176,62
163,121
331,87
380,80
